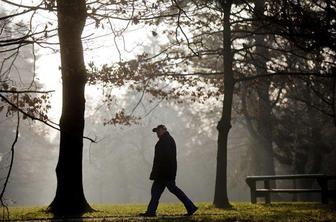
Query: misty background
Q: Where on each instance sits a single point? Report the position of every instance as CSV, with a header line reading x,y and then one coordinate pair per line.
x,y
116,169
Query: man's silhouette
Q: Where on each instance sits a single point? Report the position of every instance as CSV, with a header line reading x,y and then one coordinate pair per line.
x,y
164,173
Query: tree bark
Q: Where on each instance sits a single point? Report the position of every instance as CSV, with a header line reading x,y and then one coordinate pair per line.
x,y
69,198
221,198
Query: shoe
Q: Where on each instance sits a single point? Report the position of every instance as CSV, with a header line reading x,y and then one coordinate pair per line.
x,y
191,212
147,215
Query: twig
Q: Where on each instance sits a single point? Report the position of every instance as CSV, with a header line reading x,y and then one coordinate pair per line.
x,y
26,6
141,98
26,91
17,14
153,108
3,204
249,78
38,119
180,27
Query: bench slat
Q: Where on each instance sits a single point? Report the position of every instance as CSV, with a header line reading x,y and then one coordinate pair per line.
x,y
295,176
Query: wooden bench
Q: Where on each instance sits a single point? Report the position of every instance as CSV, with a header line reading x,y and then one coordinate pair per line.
x,y
266,191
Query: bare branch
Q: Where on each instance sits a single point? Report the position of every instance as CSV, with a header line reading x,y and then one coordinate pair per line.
x,y
38,119
14,15
153,108
141,98
249,78
308,103
181,29
3,204
26,6
25,91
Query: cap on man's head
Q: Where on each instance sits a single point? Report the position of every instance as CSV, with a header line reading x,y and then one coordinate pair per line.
x,y
159,127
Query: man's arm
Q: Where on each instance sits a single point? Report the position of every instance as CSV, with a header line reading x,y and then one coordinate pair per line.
x,y
155,168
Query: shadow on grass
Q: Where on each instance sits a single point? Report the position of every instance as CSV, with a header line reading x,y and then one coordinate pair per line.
x,y
45,215
41,214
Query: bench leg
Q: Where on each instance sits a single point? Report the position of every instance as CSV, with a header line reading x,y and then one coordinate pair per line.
x,y
252,185
253,196
324,189
267,195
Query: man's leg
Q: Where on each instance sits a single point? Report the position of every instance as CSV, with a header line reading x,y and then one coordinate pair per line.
x,y
156,191
188,204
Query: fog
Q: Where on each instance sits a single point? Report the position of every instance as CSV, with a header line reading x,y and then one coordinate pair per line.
x,y
117,167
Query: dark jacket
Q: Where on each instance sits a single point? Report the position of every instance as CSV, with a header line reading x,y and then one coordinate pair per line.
x,y
164,164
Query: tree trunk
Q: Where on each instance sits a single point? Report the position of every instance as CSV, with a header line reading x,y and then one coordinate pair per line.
x,y
313,150
221,198
264,161
69,198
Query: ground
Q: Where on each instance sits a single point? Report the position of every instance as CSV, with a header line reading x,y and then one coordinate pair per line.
x,y
242,212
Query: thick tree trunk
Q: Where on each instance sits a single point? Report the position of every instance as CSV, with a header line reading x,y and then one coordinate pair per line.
x,y
334,100
221,198
69,198
264,161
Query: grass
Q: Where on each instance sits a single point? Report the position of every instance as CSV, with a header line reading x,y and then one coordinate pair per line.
x,y
242,212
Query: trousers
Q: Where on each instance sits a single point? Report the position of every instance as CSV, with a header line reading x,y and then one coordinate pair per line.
x,y
157,189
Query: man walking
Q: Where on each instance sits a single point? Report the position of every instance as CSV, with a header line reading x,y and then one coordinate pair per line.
x,y
164,173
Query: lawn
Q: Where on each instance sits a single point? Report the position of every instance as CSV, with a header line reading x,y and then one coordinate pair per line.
x,y
240,211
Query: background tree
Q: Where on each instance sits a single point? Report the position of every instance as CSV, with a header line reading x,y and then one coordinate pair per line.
x,y
301,67
19,92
